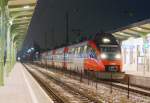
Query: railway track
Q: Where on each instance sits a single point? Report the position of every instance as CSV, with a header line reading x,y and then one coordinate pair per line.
x,y
77,94
50,91
103,94
80,96
131,88
114,83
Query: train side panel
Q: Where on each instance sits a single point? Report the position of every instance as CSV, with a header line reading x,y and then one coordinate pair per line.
x,y
75,61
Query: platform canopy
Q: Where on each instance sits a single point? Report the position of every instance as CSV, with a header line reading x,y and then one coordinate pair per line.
x,y
20,13
134,30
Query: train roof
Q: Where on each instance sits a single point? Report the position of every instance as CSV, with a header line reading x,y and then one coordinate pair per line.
x,y
99,37
78,44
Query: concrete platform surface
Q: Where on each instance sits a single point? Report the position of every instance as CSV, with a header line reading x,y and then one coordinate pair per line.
x,y
141,79
141,74
21,87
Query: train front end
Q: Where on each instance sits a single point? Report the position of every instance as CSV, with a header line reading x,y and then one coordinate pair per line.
x,y
110,57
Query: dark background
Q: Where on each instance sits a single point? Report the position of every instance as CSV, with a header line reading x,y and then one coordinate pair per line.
x,y
48,26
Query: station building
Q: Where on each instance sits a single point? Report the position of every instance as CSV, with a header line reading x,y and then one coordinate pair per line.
x,y
135,45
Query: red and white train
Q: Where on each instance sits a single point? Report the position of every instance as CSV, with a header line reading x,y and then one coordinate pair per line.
x,y
101,55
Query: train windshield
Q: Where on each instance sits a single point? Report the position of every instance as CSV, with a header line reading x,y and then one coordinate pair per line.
x,y
109,49
110,52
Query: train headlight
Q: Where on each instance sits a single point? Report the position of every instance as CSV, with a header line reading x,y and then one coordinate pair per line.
x,y
118,56
103,56
106,40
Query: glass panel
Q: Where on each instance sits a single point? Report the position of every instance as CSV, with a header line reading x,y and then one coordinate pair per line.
x,y
109,49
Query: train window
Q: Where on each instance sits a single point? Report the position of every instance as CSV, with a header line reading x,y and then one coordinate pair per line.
x,y
72,51
85,48
110,49
76,51
79,49
92,54
88,49
82,49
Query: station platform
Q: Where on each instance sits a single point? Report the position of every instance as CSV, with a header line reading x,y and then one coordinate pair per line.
x,y
21,87
141,74
140,79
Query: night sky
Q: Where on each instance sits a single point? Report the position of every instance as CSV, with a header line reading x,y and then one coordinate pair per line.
x,y
48,25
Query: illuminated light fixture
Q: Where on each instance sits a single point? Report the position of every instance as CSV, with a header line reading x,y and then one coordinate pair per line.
x,y
121,33
37,53
25,17
106,40
148,34
26,7
10,22
32,48
146,45
131,38
118,56
103,56
19,58
29,50
137,28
